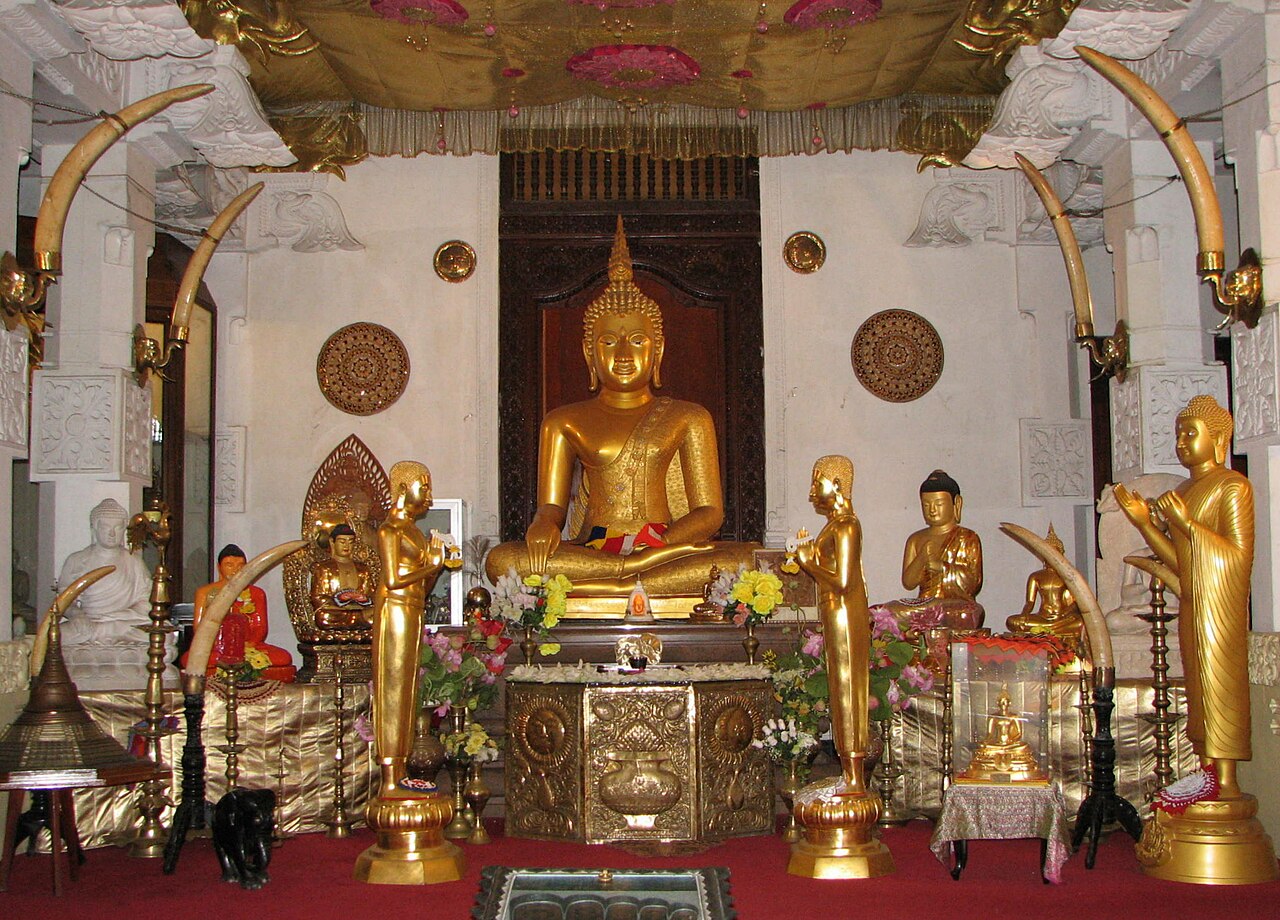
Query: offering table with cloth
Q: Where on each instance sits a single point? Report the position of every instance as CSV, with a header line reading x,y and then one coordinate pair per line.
x,y
599,755
1002,811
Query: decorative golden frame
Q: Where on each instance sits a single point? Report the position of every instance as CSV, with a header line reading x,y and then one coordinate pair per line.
x,y
804,252
454,261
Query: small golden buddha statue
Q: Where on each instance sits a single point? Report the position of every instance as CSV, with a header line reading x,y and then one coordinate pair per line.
x,y
944,560
1058,615
342,586
1002,756
628,522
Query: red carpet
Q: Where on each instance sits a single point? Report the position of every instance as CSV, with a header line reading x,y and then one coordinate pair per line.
x,y
311,880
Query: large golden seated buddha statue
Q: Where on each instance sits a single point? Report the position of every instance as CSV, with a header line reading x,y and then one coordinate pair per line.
x,y
650,497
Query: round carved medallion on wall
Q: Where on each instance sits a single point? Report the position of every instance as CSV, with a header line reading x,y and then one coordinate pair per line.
x,y
897,355
363,368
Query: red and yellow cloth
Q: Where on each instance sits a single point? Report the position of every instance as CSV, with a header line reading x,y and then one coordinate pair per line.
x,y
616,540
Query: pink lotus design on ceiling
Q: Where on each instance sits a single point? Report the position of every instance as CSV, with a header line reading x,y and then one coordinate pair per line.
x,y
619,4
831,14
427,12
634,66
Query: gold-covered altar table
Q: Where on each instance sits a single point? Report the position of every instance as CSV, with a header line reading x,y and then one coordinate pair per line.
x,y
663,756
288,734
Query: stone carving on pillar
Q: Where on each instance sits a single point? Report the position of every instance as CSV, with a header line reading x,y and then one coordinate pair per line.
x,y
13,391
1253,376
228,468
1126,430
294,210
1079,187
1264,661
1056,461
964,207
125,30
228,127
90,424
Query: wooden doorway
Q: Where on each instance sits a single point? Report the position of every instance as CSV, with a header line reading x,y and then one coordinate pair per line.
x,y
694,232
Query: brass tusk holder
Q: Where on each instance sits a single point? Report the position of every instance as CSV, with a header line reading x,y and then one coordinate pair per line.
x,y
150,357
1109,352
1237,294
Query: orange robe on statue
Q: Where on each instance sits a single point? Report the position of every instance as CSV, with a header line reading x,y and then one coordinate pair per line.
x,y
252,605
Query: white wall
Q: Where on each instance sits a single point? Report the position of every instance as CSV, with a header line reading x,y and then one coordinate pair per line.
x,y
1003,361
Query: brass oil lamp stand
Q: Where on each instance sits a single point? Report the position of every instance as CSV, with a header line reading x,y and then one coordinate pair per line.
x,y
461,826
888,774
154,526
1086,724
279,835
340,822
1162,720
948,729
233,748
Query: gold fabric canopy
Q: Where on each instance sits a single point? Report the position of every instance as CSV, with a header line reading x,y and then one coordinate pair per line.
x,y
744,61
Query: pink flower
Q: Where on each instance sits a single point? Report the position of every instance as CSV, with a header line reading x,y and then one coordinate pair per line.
x,y
884,622
443,709
813,644
894,695
873,702
918,676
740,618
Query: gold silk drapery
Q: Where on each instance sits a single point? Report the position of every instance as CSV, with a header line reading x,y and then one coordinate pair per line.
x,y
738,77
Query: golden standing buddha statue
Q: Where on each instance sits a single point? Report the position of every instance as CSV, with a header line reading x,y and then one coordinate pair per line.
x,y
1058,615
1203,531
632,446
1003,756
839,820
944,560
410,848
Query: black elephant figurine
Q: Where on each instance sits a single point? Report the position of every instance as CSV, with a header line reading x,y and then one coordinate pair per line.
x,y
243,823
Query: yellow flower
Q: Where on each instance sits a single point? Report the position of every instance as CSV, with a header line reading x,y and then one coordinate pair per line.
x,y
548,648
533,581
550,619
790,566
257,659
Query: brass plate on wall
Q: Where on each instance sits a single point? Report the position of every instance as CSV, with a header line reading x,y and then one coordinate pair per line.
x,y
454,261
804,252
897,355
362,368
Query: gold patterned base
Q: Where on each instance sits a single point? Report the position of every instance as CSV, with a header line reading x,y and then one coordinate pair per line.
x,y
678,607
1211,843
411,849
839,835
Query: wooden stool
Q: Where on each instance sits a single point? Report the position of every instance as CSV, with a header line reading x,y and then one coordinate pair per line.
x,y
1001,811
68,855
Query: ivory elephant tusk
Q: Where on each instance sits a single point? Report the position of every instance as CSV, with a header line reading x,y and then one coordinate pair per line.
x,y
1094,623
61,604
194,273
1067,242
1173,131
1157,569
216,612
71,172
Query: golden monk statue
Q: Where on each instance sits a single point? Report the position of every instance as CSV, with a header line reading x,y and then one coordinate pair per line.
x,y
342,586
1058,615
834,560
630,444
410,566
1203,531
1002,756
944,560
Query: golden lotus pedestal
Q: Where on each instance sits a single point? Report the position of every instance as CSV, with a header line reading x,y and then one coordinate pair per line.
x,y
839,839
411,849
1211,843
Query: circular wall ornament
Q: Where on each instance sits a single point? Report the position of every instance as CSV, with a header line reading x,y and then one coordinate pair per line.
x,y
362,368
804,252
897,355
455,261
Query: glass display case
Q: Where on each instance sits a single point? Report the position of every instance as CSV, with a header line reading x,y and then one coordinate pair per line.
x,y
999,711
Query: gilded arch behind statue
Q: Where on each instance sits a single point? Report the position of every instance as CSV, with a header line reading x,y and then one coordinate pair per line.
x,y
703,268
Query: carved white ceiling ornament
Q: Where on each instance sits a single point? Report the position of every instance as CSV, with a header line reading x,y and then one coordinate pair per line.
x,y
294,210
228,127
1079,187
90,425
126,30
1253,376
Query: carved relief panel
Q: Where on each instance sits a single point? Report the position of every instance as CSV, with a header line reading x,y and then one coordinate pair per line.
x,y
1253,365
95,425
544,761
735,779
13,391
1056,461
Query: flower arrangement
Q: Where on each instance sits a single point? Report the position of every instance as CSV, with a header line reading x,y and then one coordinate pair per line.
x,y
535,603
749,596
784,741
461,669
800,683
897,671
247,669
471,745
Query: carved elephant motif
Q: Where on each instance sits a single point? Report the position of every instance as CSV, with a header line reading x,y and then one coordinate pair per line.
x,y
243,823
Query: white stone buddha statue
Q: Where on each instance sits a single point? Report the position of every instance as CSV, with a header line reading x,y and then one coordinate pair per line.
x,y
102,649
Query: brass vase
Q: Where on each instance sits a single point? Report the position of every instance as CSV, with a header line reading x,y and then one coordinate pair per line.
x,y
528,645
427,755
639,785
751,644
461,826
477,795
787,790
